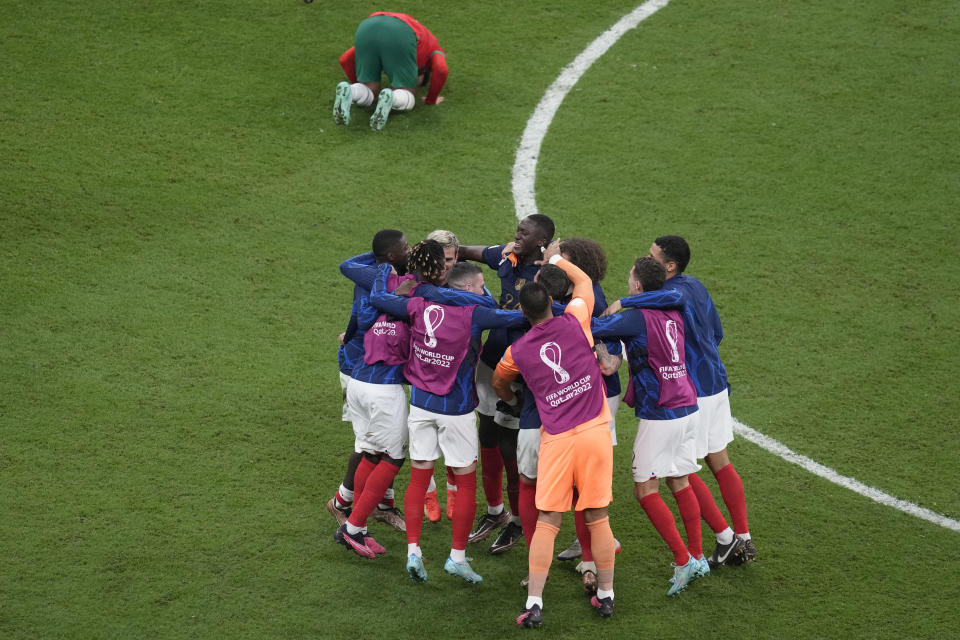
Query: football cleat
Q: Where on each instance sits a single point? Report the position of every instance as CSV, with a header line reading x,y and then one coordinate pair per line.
x,y
431,507
683,576
391,516
604,606
531,618
462,569
373,545
340,513
342,103
379,118
728,554
749,550
571,553
509,536
355,542
486,524
703,569
418,573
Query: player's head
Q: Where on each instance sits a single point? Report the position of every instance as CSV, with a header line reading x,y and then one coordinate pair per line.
x,y
535,302
450,246
533,234
586,254
466,276
671,249
646,275
390,245
555,281
426,260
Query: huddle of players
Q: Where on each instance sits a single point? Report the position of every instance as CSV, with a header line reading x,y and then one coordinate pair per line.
x,y
544,393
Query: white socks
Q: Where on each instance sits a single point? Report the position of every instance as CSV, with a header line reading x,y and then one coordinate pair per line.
x,y
725,537
495,511
362,94
458,555
403,100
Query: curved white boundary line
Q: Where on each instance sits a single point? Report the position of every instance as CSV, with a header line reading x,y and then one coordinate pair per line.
x,y
524,196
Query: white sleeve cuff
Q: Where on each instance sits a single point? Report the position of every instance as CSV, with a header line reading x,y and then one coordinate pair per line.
x,y
556,258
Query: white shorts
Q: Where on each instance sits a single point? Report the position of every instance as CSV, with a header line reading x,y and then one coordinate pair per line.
x,y
488,398
716,423
435,435
528,452
379,413
614,403
344,382
665,448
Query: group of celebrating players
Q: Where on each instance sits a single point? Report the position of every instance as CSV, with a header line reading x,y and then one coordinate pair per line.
x,y
537,398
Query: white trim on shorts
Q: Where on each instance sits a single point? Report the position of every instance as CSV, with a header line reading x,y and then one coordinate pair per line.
x,y
528,452
379,413
436,435
665,448
716,423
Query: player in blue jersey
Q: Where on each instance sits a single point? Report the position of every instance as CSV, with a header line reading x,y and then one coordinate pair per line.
x,y
442,420
665,401
389,246
516,264
704,333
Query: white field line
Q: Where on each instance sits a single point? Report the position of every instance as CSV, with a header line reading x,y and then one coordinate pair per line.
x,y
524,196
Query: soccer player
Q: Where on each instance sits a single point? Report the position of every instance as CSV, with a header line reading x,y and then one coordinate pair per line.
x,y
440,368
703,335
515,266
403,49
558,365
665,401
377,406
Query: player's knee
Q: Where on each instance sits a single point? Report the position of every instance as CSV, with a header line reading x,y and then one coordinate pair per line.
x,y
397,462
403,100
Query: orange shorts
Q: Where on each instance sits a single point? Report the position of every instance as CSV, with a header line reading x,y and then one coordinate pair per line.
x,y
581,457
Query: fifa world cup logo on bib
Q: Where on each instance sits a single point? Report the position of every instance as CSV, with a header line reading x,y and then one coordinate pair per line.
x,y
673,337
432,319
550,354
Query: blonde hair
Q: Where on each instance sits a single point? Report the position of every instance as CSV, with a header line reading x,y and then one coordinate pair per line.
x,y
445,238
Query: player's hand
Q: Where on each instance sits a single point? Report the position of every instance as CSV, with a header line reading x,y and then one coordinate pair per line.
x,y
405,288
614,307
341,337
439,100
509,410
508,249
552,250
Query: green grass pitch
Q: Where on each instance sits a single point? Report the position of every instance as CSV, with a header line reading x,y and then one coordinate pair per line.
x,y
175,199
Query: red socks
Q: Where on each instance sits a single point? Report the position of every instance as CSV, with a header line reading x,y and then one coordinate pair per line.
x,y
491,465
364,469
708,507
527,501
662,520
731,487
583,536
413,501
690,513
373,487
464,509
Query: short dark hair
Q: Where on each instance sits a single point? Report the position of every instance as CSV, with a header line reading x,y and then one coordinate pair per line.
x,y
460,272
650,273
544,223
427,259
675,249
386,241
554,280
586,254
534,300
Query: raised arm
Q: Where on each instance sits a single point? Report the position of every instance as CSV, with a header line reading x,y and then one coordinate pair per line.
x,y
382,299
495,318
361,270
658,299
